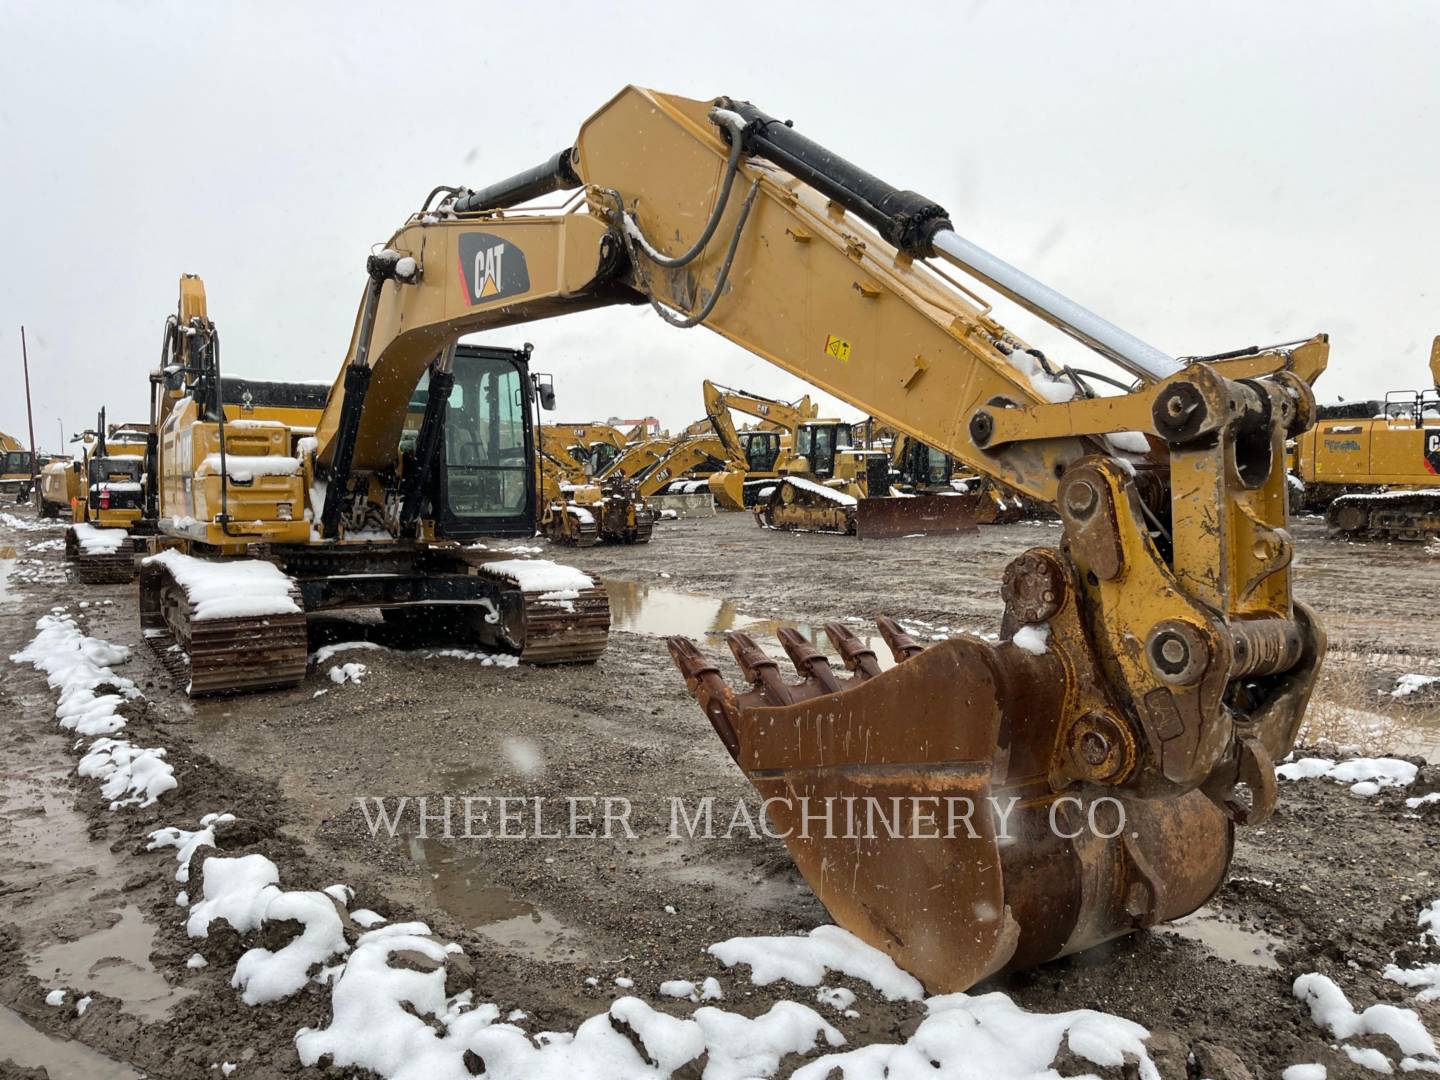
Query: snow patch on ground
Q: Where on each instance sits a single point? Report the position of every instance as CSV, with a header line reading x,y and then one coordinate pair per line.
x,y
129,775
351,673
325,652
805,960
1408,684
78,665
1331,1010
1366,776
187,843
245,893
1426,977
234,588
990,1036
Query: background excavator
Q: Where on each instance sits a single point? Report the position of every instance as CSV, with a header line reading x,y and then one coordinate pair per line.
x,y
1373,467
1153,665
579,510
757,454
236,464
107,522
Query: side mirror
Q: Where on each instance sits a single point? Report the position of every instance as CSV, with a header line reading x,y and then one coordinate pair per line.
x,y
545,390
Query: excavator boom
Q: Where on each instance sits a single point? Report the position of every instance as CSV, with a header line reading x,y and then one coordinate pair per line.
x,y
1152,667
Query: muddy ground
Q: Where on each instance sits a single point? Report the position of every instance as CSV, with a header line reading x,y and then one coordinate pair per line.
x,y
1332,883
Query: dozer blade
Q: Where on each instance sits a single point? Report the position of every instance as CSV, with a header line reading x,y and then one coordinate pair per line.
x,y
915,802
928,515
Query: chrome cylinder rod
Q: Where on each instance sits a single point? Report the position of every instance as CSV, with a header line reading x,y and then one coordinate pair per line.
x,y
1135,356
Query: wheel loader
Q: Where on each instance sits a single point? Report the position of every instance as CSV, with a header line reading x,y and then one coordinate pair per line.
x,y
1150,668
107,519
283,500
1373,467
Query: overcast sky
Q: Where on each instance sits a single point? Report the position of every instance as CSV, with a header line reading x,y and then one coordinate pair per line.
x,y
1206,175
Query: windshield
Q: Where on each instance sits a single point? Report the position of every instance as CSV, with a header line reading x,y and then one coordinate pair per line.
x,y
485,452
17,461
761,449
114,470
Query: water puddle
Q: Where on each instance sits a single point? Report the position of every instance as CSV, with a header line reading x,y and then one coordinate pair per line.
x,y
642,608
114,961
1227,940
31,1048
459,886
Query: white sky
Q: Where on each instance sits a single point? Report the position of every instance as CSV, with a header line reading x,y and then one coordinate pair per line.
x,y
1206,175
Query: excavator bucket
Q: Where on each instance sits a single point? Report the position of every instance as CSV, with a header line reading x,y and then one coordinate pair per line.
x,y
915,802
929,515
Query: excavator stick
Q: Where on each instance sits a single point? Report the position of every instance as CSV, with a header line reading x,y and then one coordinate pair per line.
x,y
929,515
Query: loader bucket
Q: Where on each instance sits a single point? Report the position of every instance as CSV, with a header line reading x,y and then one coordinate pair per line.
x,y
929,515
916,803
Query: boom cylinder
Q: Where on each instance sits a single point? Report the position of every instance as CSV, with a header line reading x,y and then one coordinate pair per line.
x,y
556,173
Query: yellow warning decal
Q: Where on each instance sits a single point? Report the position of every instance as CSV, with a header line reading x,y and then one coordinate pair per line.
x,y
837,347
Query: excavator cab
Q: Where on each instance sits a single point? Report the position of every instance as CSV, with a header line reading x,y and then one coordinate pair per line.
x,y
762,449
483,484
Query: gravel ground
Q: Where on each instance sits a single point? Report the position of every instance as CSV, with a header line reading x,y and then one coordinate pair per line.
x,y
1332,883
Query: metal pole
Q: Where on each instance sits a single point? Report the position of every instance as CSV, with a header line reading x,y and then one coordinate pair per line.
x,y
29,416
61,425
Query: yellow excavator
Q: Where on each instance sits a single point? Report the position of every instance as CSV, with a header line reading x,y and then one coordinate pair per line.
x,y
594,444
1150,669
755,455
1374,466
255,533
577,511
107,522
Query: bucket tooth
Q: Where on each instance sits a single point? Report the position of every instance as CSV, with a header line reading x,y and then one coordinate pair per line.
x,y
809,661
704,681
856,655
759,669
902,645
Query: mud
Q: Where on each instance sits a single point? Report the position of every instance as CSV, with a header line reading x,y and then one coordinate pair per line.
x,y
1332,883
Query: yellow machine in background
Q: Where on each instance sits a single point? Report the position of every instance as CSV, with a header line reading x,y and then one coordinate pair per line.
x,y
595,445
17,468
108,513
60,487
578,510
755,456
1373,466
